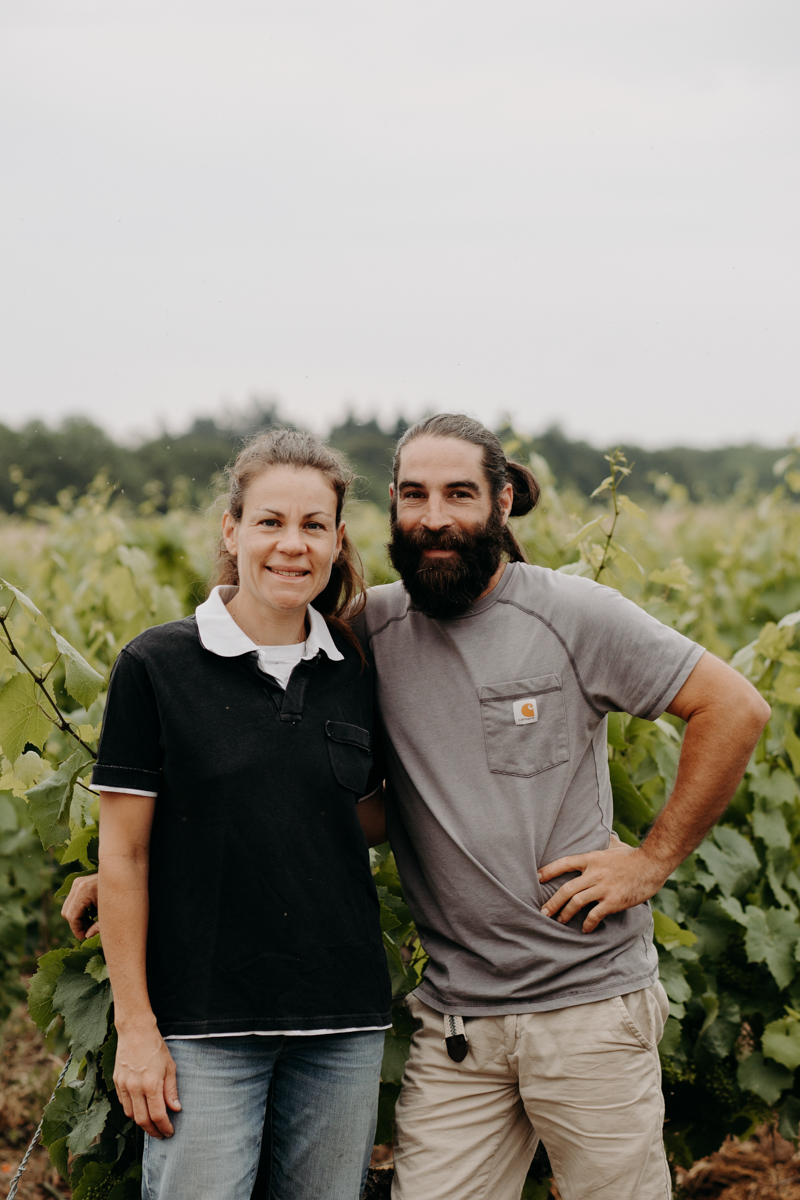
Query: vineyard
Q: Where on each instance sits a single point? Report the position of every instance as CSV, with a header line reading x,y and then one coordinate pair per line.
x,y
82,577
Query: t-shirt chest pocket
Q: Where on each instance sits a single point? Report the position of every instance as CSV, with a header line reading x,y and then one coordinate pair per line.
x,y
350,755
524,725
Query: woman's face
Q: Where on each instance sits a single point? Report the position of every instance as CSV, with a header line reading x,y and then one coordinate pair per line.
x,y
287,540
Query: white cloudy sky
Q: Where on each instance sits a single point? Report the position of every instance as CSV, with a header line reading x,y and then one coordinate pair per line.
x,y
569,210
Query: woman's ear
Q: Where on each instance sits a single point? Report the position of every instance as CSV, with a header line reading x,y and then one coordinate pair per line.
x,y
339,541
229,531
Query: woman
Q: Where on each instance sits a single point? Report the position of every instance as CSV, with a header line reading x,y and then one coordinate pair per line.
x,y
240,918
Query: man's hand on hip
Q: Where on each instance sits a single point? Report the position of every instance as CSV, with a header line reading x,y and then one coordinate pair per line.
x,y
724,717
612,880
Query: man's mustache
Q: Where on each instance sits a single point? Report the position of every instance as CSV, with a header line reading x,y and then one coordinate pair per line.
x,y
432,539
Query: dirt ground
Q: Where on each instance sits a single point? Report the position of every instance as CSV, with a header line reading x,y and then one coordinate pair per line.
x,y
764,1168
27,1075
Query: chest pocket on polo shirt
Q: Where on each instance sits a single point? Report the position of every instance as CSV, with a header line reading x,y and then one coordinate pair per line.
x,y
349,752
525,725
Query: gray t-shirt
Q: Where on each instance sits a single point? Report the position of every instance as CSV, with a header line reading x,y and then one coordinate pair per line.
x,y
497,764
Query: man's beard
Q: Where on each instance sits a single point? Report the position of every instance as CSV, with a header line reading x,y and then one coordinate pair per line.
x,y
446,587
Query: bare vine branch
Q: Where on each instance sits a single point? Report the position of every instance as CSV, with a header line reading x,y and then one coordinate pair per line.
x,y
59,719
619,469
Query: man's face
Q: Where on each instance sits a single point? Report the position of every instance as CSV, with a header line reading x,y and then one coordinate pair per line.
x,y
446,528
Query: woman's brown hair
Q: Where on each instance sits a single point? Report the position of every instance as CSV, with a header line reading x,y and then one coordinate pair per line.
x,y
345,590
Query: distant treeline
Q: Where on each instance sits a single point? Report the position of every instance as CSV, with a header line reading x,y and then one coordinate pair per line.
x,y
39,461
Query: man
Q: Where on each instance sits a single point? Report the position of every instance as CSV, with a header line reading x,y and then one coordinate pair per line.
x,y
493,681
540,1009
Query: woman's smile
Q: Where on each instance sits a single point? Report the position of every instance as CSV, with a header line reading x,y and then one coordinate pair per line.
x,y
285,543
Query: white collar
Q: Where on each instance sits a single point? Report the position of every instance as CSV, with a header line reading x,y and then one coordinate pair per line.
x,y
220,634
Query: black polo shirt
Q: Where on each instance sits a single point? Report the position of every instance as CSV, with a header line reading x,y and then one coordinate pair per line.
x,y
263,910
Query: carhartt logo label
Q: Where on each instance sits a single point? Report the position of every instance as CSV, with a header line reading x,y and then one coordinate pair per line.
x,y
525,712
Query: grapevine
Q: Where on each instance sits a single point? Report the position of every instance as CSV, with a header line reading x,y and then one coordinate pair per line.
x,y
727,923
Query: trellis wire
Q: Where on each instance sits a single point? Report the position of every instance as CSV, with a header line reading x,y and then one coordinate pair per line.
x,y
12,1191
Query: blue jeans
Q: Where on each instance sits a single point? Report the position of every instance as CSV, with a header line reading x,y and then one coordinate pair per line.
x,y
323,1094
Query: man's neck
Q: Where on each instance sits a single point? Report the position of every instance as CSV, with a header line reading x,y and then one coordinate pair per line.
x,y
493,582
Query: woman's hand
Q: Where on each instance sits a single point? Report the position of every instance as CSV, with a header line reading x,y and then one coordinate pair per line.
x,y
75,909
146,1083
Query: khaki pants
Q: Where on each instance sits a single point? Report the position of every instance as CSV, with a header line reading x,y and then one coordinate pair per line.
x,y
585,1079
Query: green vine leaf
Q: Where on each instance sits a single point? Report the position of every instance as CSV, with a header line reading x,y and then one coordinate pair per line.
x,y
791,744
766,1079
630,807
96,967
49,801
89,1126
30,608
42,986
82,681
83,1002
731,860
21,719
62,1114
675,983
78,848
669,932
632,509
59,1157
677,575
789,1118
771,938
771,827
781,1041
395,1055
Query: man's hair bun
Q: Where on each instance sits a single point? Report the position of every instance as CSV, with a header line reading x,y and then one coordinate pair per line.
x,y
526,488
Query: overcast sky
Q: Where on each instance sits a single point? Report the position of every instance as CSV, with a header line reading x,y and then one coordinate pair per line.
x,y
573,211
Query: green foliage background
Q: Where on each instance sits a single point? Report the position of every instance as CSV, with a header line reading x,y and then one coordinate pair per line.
x,y
173,470
88,573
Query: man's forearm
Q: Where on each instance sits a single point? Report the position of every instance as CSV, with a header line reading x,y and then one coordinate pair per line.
x,y
716,750
717,746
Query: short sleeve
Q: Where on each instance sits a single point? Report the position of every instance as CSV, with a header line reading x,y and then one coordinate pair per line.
x,y
626,660
129,755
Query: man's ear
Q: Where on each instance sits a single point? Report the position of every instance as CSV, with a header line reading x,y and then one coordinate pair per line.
x,y
505,501
391,492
